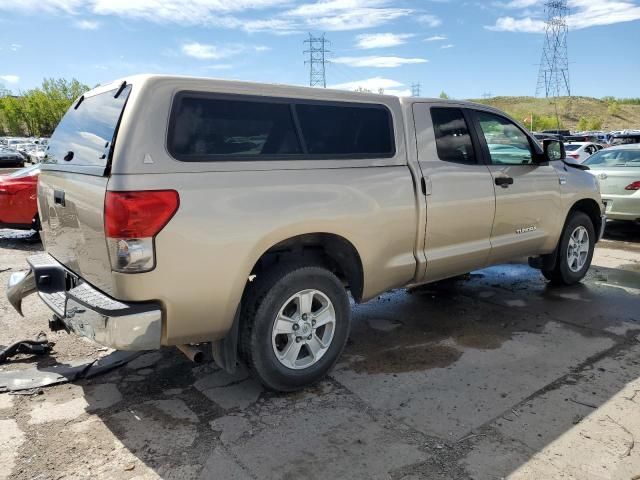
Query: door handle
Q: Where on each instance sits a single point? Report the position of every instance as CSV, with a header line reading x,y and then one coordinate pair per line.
x,y
504,182
58,197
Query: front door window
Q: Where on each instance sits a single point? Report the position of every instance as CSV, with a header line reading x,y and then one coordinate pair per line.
x,y
508,145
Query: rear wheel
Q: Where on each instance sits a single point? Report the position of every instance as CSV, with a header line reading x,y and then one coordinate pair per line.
x,y
294,325
575,251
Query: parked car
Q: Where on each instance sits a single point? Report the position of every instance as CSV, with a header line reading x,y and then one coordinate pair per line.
x,y
624,138
181,210
11,158
564,133
552,136
618,170
37,154
18,202
580,151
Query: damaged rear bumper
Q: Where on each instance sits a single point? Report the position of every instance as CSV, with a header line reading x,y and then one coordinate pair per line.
x,y
85,310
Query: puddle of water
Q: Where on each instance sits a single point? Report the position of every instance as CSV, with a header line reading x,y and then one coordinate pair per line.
x,y
407,359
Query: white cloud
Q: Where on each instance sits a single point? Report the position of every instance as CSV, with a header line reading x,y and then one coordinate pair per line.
x,y
430,20
328,15
203,51
510,24
435,38
10,78
336,15
381,40
378,62
390,87
518,3
14,47
42,6
584,14
207,51
87,25
448,45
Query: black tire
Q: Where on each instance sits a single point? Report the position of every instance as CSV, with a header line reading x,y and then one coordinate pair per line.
x,y
264,298
561,274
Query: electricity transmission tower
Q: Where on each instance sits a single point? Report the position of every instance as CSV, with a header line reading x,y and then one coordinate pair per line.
x,y
553,76
317,61
415,89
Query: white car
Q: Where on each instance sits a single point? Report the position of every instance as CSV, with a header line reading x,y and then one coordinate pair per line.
x,y
578,152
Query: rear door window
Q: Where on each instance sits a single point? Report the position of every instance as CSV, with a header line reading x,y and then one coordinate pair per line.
x,y
218,127
453,140
85,134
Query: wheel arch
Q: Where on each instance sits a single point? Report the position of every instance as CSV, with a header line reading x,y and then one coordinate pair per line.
x,y
328,249
591,208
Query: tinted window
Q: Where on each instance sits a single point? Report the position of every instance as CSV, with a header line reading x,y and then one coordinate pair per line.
x,y
508,145
202,127
85,133
346,130
453,141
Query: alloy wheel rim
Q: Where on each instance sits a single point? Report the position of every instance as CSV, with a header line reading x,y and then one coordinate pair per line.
x,y
303,330
578,249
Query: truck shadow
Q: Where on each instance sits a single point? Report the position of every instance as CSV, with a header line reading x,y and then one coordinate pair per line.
x,y
435,374
25,240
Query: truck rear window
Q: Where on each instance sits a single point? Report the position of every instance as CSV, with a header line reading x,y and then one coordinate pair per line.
x,y
85,134
214,127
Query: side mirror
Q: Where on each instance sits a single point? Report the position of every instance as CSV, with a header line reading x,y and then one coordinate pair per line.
x,y
553,150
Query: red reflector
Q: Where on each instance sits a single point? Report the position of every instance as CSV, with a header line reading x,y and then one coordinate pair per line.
x,y
633,186
138,214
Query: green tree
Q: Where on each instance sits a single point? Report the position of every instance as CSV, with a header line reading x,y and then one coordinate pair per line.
x,y
444,95
38,111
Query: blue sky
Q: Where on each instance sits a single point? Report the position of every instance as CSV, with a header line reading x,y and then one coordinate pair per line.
x,y
464,48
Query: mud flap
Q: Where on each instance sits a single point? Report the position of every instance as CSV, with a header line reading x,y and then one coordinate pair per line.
x,y
544,262
225,350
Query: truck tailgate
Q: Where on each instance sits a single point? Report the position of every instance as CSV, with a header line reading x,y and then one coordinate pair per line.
x,y
73,183
71,211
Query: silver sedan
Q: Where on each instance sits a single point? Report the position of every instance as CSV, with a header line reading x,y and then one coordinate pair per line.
x,y
618,171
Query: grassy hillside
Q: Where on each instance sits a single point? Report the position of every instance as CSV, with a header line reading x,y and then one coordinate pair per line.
x,y
611,114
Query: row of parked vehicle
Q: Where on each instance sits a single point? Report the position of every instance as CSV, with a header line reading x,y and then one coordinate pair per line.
x,y
16,151
582,145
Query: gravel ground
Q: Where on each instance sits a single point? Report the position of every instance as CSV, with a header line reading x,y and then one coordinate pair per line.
x,y
492,376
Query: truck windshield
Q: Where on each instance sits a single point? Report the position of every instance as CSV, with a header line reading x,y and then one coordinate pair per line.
x,y
84,135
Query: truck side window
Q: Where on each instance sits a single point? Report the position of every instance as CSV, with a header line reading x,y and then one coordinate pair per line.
x,y
204,127
508,145
360,131
453,141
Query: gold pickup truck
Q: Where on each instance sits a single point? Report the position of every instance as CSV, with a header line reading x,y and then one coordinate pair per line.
x,y
181,210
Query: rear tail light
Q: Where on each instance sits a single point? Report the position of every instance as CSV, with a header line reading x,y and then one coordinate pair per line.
x,y
633,186
573,156
131,222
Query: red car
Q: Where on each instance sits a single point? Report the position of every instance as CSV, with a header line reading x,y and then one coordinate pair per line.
x,y
18,205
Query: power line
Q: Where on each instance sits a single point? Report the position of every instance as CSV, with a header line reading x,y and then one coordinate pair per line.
x,y
553,76
317,61
415,89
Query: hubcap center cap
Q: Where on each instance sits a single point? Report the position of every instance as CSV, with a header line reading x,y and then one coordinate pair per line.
x,y
305,329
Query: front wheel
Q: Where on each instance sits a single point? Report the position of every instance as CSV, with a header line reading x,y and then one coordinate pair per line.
x,y
575,251
294,325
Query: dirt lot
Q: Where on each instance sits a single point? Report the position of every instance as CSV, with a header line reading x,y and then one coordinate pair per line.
x,y
496,375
